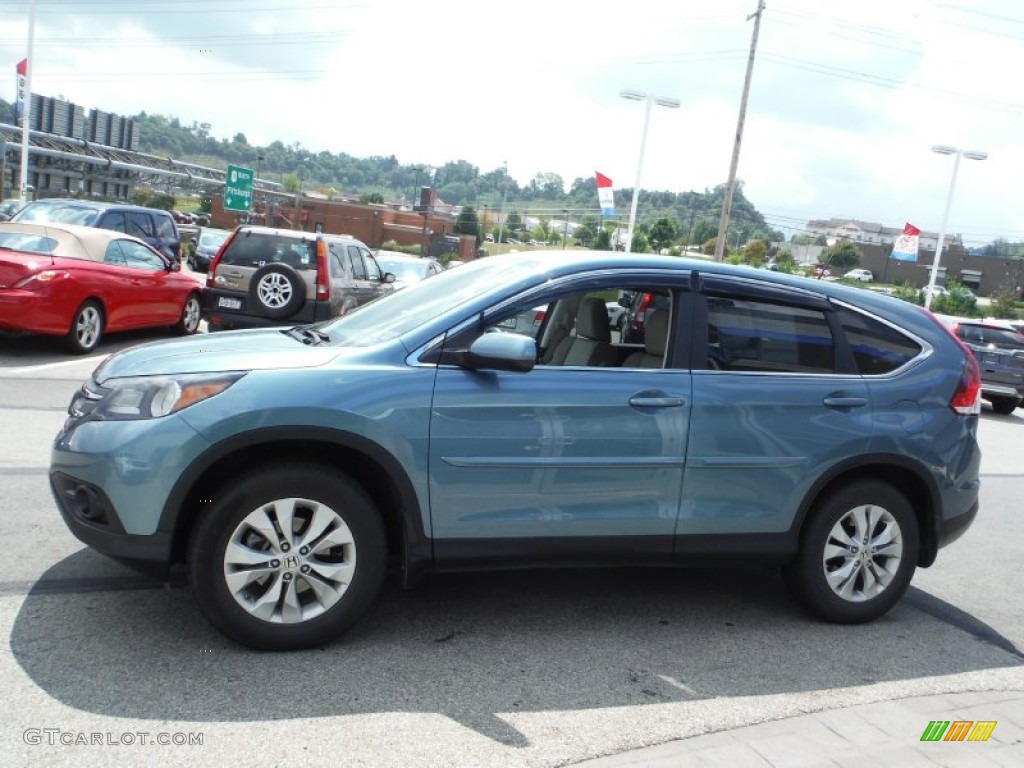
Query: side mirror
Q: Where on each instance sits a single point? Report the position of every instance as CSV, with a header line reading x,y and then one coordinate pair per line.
x,y
503,352
626,302
389,277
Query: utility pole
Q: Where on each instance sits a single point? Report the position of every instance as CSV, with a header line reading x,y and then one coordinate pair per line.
x,y
501,215
730,186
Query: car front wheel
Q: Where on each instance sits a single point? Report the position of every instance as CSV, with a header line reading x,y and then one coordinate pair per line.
x,y
287,557
857,553
1005,405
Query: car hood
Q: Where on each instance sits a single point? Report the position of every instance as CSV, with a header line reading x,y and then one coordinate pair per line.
x,y
215,352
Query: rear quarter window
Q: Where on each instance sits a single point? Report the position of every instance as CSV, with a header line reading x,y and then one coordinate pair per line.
x,y
877,347
165,229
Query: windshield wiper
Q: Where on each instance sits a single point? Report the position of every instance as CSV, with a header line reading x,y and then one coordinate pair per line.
x,y
307,335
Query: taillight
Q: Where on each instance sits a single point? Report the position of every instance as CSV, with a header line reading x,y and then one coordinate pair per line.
x,y
211,271
966,398
539,317
46,276
641,310
323,282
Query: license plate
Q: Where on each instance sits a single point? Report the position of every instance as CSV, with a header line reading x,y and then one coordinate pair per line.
x,y
228,303
990,359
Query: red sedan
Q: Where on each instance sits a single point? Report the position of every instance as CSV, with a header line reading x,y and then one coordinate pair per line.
x,y
80,282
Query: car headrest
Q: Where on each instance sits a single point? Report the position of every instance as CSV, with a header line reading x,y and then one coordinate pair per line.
x,y
592,320
656,335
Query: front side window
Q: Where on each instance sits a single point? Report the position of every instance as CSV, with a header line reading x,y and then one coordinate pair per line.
x,y
138,256
754,335
140,225
372,270
165,228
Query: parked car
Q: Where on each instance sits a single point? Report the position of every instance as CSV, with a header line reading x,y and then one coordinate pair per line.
x,y
408,270
10,207
764,419
152,225
999,349
263,276
863,275
638,307
208,242
81,283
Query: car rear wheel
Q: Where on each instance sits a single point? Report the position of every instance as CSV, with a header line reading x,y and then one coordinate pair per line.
x,y
86,328
287,557
1005,405
277,290
191,312
857,553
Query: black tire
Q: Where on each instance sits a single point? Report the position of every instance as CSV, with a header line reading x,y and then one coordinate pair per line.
x,y
806,575
1005,405
86,328
276,291
253,493
191,314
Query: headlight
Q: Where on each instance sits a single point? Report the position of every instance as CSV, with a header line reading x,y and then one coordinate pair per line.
x,y
150,397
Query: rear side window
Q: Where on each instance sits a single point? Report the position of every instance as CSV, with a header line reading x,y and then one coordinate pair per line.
x,y
16,241
114,222
752,335
355,261
250,249
877,348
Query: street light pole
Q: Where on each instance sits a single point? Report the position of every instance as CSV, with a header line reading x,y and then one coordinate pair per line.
x,y
957,153
651,101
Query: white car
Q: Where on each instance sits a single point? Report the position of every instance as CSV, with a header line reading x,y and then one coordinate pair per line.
x,y
864,275
407,269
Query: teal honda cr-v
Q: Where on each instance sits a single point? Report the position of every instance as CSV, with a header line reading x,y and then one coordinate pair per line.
x,y
764,418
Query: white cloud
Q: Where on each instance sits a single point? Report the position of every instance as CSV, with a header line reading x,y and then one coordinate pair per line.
x,y
845,102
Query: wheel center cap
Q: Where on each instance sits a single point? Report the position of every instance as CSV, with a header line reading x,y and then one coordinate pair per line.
x,y
290,562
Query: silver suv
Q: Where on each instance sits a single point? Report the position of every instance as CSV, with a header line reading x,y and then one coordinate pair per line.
x,y
265,276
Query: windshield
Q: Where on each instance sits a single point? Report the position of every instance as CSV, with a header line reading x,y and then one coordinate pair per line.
x,y
406,271
403,311
212,239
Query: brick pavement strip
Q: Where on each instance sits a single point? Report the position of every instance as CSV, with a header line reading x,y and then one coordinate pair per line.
x,y
884,733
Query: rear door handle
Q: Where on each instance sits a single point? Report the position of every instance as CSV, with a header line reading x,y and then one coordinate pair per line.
x,y
845,402
639,401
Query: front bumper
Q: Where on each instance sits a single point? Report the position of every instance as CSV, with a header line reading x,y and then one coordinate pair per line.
x,y
92,519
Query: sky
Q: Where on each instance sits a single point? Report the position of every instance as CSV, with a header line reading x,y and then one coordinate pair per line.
x,y
846,99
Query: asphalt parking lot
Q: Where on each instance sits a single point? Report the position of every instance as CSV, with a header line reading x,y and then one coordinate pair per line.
x,y
537,669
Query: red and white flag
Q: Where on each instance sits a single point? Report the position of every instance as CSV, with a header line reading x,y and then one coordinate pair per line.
x,y
605,195
905,247
22,72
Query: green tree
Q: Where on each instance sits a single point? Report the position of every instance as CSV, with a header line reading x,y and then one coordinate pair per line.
x,y
372,197
468,224
163,201
586,232
1004,305
821,240
290,183
754,253
802,239
603,241
784,261
708,248
957,300
663,233
843,255
514,223
641,244
703,231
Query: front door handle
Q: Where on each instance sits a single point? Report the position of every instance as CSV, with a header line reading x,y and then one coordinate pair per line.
x,y
845,402
645,401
